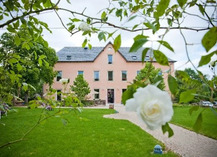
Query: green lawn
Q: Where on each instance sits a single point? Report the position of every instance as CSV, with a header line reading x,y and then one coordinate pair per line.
x,y
183,118
86,135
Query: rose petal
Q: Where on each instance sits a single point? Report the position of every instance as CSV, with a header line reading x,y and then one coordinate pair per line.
x,y
131,105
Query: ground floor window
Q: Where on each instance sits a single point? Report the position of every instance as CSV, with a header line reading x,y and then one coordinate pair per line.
x,y
59,95
59,75
110,95
96,94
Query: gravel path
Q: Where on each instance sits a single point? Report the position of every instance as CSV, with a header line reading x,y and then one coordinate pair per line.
x,y
184,142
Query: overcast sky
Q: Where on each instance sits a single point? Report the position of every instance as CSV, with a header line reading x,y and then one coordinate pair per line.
x,y
61,38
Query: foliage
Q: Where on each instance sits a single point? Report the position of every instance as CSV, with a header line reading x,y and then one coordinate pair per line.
x,y
147,75
25,70
193,87
103,137
156,16
80,87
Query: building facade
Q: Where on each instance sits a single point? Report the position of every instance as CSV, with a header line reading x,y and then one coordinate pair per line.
x,y
107,72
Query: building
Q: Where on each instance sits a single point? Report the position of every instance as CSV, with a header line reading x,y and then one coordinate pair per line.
x,y
107,72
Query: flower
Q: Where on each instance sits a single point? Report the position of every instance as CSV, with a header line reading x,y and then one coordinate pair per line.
x,y
152,105
64,80
84,27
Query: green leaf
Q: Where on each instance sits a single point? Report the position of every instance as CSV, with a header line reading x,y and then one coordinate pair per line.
x,y
160,57
11,29
198,124
187,96
16,24
161,7
151,26
12,60
139,41
119,13
206,59
25,86
117,43
166,128
210,38
127,95
111,34
101,36
173,85
132,17
84,43
182,3
17,40
25,45
166,44
42,56
192,109
68,1
104,16
19,67
39,61
202,10
89,46
144,52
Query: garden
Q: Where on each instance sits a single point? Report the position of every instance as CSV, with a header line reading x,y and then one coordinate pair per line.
x,y
74,134
27,64
87,133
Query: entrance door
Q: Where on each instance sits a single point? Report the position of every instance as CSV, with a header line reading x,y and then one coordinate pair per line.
x,y
110,95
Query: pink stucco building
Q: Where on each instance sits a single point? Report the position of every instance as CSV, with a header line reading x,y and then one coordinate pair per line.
x,y
107,72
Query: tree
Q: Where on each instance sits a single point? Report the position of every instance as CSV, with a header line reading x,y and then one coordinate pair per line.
x,y
80,87
148,75
151,75
34,67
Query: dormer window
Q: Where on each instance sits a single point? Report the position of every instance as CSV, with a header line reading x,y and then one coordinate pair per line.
x,y
134,57
68,57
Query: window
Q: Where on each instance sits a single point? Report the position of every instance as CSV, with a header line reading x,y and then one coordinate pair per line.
x,y
96,93
134,57
59,75
109,48
124,75
109,59
59,95
68,57
96,75
80,72
110,75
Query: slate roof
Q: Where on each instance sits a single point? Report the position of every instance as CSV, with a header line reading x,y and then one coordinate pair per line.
x,y
79,54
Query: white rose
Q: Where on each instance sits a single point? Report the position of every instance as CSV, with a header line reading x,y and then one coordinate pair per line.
x,y
84,26
152,105
64,80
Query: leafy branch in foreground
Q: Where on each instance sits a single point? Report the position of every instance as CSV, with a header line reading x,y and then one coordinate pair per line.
x,y
68,100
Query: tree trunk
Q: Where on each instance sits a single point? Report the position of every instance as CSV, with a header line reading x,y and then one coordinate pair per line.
x,y
26,98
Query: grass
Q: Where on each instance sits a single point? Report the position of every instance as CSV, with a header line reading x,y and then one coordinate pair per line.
x,y
86,135
209,124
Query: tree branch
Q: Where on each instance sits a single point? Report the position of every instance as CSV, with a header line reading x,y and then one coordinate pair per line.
x,y
27,14
98,20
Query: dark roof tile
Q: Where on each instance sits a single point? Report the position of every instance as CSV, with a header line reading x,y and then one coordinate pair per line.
x,y
79,54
